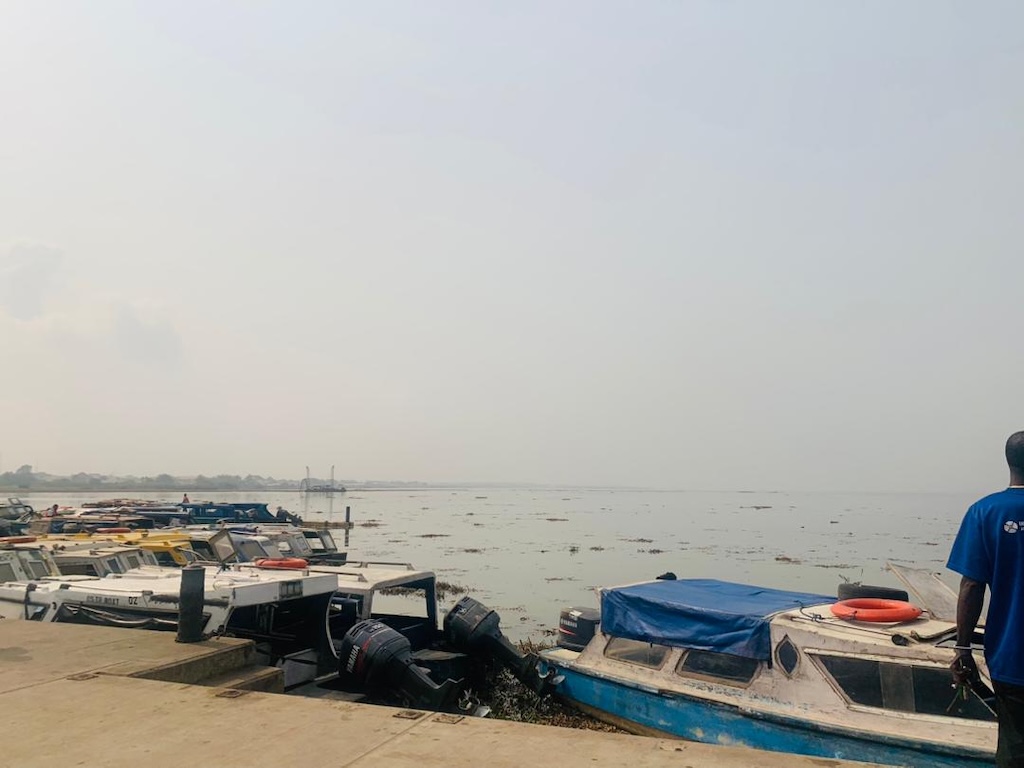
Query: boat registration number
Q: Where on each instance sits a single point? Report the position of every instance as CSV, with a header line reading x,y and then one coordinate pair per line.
x,y
102,600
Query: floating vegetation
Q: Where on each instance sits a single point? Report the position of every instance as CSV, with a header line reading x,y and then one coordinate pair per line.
x,y
655,551
787,559
446,589
640,541
434,535
557,519
472,551
597,549
573,549
757,506
371,524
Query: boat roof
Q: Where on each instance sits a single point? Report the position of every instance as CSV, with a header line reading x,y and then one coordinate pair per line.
x,y
702,614
246,586
369,576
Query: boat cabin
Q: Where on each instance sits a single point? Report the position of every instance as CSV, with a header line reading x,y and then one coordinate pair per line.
x,y
396,594
707,660
19,562
14,508
99,558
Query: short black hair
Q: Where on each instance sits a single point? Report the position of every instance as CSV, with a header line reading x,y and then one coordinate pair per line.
x,y
1015,451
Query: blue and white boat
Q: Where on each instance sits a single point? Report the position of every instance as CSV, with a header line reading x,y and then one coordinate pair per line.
x,y
725,663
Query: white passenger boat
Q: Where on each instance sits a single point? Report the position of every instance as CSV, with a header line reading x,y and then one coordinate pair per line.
x,y
284,611
725,663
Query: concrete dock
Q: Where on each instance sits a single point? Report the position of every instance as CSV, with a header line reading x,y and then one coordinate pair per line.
x,y
96,696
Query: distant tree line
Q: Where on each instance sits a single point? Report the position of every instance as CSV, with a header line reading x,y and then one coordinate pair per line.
x,y
24,479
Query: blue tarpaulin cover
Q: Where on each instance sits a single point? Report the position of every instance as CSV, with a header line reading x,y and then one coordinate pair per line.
x,y
703,614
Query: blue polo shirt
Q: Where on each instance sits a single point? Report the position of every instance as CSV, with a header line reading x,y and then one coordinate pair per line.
x,y
990,548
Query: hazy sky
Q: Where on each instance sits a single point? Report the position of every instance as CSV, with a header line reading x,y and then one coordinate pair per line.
x,y
670,244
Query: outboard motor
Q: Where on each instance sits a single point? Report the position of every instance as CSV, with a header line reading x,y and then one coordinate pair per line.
x,y
471,626
576,627
376,658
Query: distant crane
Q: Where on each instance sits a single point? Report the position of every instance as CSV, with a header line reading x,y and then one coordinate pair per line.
x,y
308,486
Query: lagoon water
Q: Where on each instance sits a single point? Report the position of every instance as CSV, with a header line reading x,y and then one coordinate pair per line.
x,y
528,553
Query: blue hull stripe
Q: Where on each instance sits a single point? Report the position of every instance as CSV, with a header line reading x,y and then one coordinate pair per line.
x,y
714,723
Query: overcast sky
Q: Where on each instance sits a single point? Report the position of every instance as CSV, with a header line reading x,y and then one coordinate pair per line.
x,y
713,245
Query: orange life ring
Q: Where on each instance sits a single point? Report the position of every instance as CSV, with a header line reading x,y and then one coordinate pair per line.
x,y
875,609
281,562
17,539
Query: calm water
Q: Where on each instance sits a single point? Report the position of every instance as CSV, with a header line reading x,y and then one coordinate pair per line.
x,y
530,552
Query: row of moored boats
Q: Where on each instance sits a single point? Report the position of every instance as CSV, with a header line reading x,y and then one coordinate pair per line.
x,y
864,677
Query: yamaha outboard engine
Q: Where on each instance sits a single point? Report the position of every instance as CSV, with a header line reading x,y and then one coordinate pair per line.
x,y
472,626
377,659
577,626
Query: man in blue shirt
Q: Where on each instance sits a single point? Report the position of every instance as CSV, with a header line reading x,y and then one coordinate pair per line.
x,y
989,550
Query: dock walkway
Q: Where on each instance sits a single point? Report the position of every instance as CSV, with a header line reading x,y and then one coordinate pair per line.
x,y
96,696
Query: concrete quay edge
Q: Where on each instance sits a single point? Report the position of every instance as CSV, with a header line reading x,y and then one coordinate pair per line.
x,y
75,695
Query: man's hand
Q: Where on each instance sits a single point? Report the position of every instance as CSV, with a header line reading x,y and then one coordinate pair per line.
x,y
964,668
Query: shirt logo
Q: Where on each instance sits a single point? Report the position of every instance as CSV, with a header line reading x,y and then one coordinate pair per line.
x,y
1011,526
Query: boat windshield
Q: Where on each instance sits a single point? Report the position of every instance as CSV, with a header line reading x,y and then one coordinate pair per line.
x,y
636,652
252,549
294,546
901,687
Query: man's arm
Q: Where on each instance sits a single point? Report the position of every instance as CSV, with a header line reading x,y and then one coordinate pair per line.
x,y
968,610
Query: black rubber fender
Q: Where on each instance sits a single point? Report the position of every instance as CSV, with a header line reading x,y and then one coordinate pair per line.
x,y
849,590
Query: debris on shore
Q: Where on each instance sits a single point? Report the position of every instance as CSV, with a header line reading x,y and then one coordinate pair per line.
x,y
509,699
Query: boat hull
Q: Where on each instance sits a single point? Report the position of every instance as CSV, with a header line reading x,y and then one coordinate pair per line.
x,y
666,713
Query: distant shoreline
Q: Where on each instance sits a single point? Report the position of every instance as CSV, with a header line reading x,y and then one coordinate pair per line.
x,y
191,491
129,491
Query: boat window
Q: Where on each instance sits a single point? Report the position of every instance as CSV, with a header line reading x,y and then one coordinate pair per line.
x,y
203,550
787,655
251,549
636,652
223,547
721,666
78,569
299,545
133,561
165,558
6,572
114,566
37,568
903,687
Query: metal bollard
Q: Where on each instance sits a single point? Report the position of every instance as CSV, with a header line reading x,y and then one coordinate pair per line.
x,y
190,604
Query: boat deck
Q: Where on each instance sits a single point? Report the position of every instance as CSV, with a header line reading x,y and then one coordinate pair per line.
x,y
80,694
